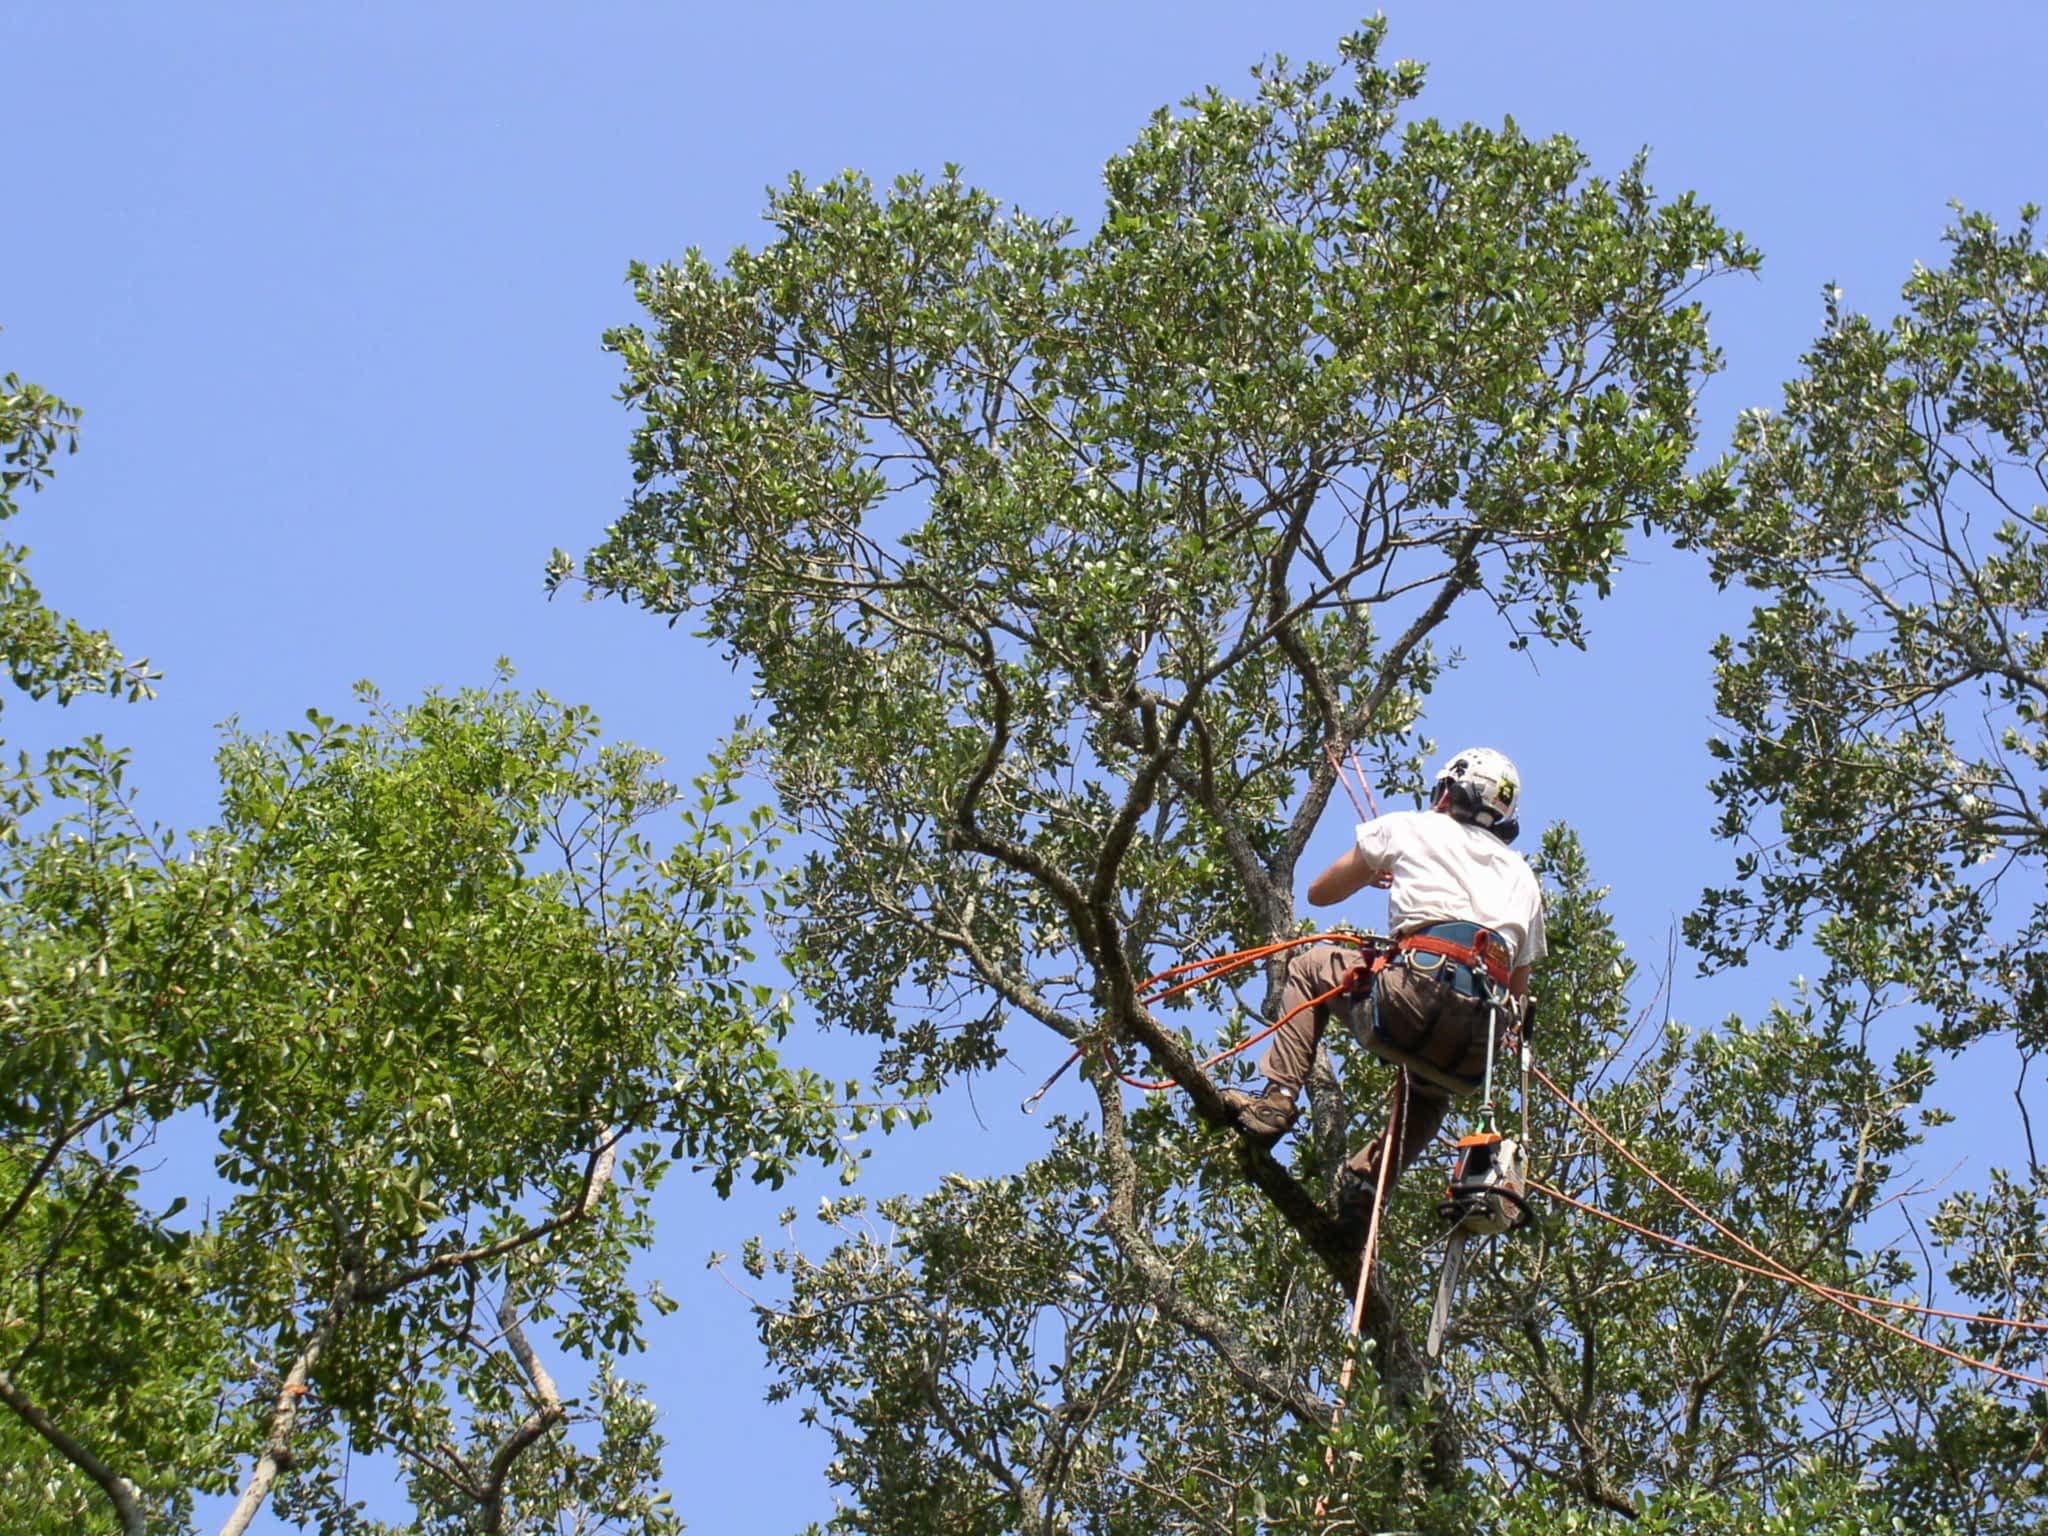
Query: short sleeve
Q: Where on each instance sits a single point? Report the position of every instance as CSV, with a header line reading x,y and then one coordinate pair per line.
x,y
1375,842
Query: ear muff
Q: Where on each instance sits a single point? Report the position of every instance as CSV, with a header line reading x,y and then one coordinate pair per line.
x,y
1480,786
1467,802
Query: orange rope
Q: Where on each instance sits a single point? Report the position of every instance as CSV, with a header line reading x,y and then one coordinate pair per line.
x,y
1337,768
1776,1269
1397,1111
1771,1274
1216,967
1160,1085
1364,783
1211,968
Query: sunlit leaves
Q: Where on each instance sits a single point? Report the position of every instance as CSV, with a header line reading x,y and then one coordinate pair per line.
x,y
1061,559
1886,752
1058,555
443,993
45,653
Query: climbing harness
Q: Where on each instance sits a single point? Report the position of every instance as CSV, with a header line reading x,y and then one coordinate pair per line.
x,y
1474,963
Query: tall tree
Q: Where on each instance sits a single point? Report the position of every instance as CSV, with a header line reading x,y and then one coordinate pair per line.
x,y
1062,560
438,1005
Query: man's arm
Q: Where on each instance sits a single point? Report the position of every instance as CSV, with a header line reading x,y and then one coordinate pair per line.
x,y
1348,876
1518,981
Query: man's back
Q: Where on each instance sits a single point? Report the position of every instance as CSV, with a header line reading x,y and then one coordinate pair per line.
x,y
1446,870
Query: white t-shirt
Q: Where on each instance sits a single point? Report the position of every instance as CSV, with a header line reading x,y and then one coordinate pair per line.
x,y
1450,871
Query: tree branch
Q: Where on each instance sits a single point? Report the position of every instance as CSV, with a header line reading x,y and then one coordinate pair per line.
x,y
116,1487
998,1470
597,1174
1120,1221
63,1137
277,1451
547,1413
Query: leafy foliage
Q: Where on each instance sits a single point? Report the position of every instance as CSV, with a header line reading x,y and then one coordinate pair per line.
x,y
1885,763
1067,564
1884,768
1064,562
987,1360
436,994
45,653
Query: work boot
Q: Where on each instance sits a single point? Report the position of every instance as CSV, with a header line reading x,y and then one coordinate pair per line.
x,y
1264,1116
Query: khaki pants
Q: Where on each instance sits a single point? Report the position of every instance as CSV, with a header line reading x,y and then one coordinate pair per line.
x,y
1411,1005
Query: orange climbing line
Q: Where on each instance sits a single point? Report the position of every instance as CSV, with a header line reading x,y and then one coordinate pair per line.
x,y
1337,768
1210,968
1775,1268
1397,1110
1216,967
1779,1266
1771,1274
1221,966
1364,783
1160,1085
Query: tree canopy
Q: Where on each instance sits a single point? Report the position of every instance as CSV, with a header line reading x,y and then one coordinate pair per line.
x,y
1068,566
440,1012
441,1005
1885,752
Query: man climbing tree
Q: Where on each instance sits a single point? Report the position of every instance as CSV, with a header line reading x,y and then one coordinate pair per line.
x,y
1062,560
1467,918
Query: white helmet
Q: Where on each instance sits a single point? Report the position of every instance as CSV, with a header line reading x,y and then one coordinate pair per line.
x,y
1483,787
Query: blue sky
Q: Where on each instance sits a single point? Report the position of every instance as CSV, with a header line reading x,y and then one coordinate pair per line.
x,y
329,282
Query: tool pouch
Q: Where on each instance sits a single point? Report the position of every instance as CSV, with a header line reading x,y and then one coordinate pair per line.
x,y
1419,1020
